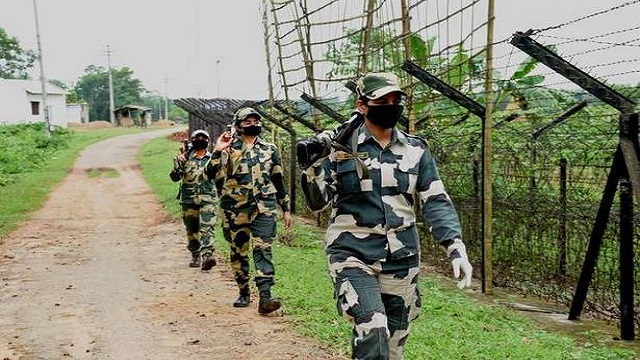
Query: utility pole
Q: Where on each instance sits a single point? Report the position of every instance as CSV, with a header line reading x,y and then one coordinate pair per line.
x,y
112,115
406,40
487,153
366,38
218,77
43,79
166,98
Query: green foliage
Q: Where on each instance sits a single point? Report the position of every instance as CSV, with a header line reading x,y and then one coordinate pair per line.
x,y
345,54
155,101
93,88
342,54
519,87
72,96
176,112
15,61
459,69
632,92
421,50
26,147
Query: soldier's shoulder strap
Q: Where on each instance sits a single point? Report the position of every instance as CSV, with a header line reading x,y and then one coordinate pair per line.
x,y
416,138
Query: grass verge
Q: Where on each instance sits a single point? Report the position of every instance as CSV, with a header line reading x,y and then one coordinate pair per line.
x,y
451,326
29,190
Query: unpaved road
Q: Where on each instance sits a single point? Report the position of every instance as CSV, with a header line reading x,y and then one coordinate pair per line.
x,y
100,272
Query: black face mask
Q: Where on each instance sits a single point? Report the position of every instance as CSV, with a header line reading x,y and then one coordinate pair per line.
x,y
253,130
200,144
385,116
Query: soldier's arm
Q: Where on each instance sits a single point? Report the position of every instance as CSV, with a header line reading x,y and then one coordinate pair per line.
x,y
277,178
215,170
317,185
437,208
441,217
178,170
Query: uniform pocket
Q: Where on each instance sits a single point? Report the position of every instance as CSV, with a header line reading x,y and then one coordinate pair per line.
x,y
407,180
267,190
348,181
346,299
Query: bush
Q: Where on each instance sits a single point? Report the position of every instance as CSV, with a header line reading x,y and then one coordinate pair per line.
x,y
24,147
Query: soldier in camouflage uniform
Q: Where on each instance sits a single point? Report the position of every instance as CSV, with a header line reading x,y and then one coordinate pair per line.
x,y
196,170
251,186
372,242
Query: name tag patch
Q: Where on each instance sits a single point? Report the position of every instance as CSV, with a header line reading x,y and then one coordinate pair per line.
x,y
343,155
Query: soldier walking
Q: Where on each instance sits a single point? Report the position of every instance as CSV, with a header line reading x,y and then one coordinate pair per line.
x,y
251,187
196,170
372,242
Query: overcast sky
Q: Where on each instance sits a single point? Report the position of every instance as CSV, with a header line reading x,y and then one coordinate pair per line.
x,y
201,48
205,48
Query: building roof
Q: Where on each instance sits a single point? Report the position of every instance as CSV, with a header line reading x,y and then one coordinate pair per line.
x,y
133,107
32,86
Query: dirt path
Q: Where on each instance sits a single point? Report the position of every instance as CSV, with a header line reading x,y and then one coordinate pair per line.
x,y
100,272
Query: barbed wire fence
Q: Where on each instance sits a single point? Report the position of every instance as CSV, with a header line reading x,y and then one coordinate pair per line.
x,y
553,141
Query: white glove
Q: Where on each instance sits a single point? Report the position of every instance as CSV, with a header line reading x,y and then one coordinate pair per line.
x,y
457,254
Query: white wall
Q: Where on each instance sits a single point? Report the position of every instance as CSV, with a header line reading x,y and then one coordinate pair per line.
x,y
14,106
57,109
77,113
16,97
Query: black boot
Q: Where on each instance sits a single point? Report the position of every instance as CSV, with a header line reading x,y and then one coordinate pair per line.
x,y
195,260
267,303
208,261
243,300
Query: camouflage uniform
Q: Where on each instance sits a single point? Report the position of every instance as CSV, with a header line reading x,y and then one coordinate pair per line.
x,y
372,242
251,186
199,201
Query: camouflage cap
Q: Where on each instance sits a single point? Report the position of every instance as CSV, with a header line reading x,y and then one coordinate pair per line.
x,y
375,85
244,113
200,132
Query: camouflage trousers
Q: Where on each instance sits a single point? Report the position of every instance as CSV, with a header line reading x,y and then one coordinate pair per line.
x,y
244,230
199,222
380,298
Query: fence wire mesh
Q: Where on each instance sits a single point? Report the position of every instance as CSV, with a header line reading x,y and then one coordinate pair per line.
x,y
553,142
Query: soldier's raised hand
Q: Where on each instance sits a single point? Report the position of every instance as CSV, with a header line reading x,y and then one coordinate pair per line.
x,y
181,159
223,141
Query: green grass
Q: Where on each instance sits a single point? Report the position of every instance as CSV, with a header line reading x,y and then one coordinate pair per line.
x,y
156,160
452,325
27,191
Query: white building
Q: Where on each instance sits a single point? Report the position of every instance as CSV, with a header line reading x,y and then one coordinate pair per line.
x,y
78,113
21,102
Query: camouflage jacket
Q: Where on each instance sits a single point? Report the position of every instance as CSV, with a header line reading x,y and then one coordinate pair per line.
x,y
375,219
197,176
251,178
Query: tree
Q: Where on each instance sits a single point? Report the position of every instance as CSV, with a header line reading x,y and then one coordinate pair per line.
x,y
14,60
155,101
72,96
93,88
